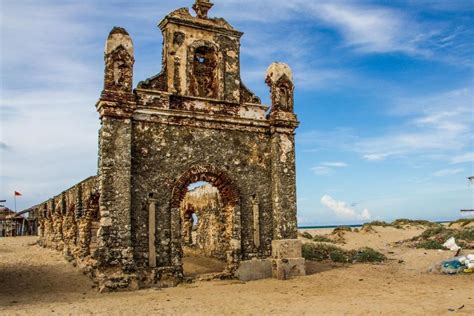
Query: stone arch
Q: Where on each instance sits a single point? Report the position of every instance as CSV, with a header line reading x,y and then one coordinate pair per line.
x,y
203,71
208,173
230,196
69,223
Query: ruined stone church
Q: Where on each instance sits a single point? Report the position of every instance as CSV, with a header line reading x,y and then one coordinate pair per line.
x,y
193,121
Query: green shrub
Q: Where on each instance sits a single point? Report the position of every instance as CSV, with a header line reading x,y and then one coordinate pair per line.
x,y
377,223
307,235
430,244
436,231
368,255
433,238
341,229
319,238
320,251
339,255
466,234
367,228
463,222
405,221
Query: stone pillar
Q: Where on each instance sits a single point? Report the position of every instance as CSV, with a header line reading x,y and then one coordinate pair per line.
x,y
152,234
234,254
283,123
287,259
256,223
116,106
176,251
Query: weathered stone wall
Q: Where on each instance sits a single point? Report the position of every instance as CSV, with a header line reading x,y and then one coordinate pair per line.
x,y
66,220
244,156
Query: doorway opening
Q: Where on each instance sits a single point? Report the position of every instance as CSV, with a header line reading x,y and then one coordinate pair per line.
x,y
203,230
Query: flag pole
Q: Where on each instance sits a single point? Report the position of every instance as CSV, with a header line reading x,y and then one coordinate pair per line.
x,y
14,198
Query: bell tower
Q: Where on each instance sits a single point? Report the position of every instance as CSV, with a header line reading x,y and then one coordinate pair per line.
x,y
200,56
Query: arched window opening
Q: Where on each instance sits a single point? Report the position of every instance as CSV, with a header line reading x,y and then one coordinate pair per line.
x,y
204,72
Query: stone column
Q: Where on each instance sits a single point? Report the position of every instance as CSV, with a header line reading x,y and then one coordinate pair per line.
x,y
115,191
283,124
234,254
176,250
116,106
256,223
152,233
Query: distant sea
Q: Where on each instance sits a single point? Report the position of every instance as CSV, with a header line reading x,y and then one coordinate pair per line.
x,y
351,225
329,226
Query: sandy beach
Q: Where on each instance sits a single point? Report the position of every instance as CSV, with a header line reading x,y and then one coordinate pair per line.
x,y
37,281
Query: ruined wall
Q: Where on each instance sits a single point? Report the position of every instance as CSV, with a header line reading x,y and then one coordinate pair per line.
x,y
69,221
193,121
245,156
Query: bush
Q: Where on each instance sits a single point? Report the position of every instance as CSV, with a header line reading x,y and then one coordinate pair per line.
x,y
430,244
368,255
367,228
433,238
466,234
377,223
307,235
436,231
320,252
405,221
340,229
339,255
463,222
319,238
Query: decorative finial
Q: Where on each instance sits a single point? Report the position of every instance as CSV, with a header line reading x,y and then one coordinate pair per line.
x,y
202,7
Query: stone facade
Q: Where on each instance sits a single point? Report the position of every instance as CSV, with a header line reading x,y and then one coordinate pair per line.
x,y
193,121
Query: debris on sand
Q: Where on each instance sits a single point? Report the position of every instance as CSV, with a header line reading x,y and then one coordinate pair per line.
x,y
435,237
456,265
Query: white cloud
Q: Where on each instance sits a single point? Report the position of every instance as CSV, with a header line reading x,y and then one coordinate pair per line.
x,y
365,214
342,210
336,164
328,167
377,157
321,170
364,27
439,124
371,29
447,172
467,157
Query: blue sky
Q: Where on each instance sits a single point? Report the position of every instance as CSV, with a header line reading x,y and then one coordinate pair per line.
x,y
384,93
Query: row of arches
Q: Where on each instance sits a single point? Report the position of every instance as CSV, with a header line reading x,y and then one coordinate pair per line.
x,y
70,222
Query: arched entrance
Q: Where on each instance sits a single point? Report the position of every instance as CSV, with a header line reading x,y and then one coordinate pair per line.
x,y
230,205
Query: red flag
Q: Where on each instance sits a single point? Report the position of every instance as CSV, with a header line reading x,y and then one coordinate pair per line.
x,y
18,193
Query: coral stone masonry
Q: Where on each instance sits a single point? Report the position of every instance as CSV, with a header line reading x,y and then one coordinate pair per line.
x,y
193,121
